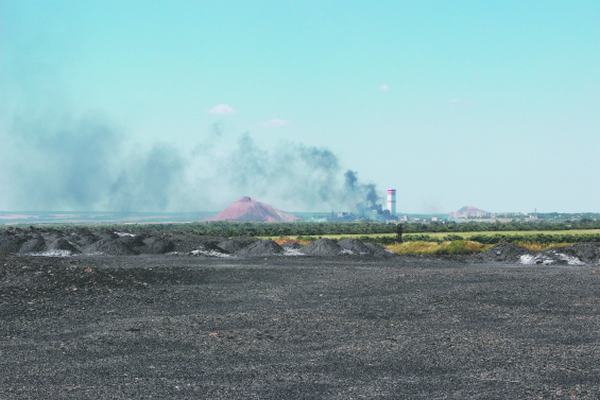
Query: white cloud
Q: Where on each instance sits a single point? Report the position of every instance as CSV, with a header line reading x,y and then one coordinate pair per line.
x,y
222,109
384,87
455,100
276,123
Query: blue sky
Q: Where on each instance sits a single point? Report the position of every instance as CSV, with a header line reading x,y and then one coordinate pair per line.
x,y
493,104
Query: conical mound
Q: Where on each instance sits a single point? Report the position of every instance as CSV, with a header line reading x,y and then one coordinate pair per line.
x,y
250,210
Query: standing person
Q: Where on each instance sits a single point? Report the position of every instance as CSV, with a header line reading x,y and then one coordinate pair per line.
x,y
399,231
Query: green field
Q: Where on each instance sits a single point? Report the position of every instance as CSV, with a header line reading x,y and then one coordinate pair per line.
x,y
468,235
442,235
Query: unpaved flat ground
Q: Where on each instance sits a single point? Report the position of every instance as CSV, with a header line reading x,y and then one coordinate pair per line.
x,y
296,328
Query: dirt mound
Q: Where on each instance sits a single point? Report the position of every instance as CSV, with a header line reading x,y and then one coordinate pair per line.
x,y
322,248
11,243
586,252
83,237
36,244
236,244
260,248
247,209
112,247
154,245
504,252
377,250
354,247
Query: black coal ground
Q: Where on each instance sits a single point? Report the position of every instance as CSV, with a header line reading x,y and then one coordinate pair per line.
x,y
168,327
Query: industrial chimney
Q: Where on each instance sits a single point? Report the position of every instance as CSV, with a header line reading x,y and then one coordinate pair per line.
x,y
391,201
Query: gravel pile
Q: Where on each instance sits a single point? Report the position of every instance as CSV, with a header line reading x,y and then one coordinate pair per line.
x,y
354,247
154,245
234,245
378,251
322,248
11,243
66,242
36,244
110,247
260,248
586,252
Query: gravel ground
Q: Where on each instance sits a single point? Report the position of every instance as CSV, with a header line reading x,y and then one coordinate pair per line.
x,y
168,327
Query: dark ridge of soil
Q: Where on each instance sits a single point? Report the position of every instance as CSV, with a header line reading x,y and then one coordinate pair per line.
x,y
260,248
322,248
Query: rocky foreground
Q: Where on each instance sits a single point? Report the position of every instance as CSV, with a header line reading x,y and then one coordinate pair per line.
x,y
166,327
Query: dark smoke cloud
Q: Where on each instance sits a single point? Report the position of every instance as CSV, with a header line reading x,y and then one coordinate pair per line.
x,y
88,164
365,197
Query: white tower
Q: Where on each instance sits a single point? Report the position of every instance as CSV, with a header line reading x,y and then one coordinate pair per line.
x,y
391,201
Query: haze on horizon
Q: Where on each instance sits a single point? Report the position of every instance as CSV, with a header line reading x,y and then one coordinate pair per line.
x,y
187,106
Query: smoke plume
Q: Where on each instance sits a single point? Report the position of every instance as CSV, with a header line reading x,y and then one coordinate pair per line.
x,y
89,164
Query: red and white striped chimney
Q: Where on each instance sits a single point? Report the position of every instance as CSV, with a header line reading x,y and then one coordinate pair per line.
x,y
391,201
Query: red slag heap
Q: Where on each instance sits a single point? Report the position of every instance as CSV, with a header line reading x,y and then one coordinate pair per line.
x,y
247,209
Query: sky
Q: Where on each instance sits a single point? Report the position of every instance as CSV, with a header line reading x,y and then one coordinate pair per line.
x,y
188,105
